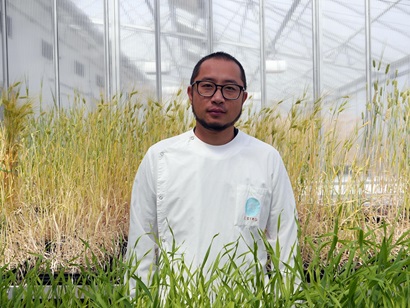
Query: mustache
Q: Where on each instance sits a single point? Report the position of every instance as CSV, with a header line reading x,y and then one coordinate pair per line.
x,y
212,126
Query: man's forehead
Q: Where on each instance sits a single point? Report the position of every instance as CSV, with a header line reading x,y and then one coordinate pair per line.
x,y
225,69
212,61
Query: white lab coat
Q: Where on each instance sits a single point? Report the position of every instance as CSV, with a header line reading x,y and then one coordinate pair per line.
x,y
198,190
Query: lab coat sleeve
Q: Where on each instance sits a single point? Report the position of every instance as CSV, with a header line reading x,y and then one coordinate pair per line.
x,y
282,228
143,224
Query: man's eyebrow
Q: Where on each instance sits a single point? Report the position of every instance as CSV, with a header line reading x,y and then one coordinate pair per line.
x,y
227,81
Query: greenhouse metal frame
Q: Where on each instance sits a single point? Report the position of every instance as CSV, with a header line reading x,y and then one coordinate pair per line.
x,y
289,49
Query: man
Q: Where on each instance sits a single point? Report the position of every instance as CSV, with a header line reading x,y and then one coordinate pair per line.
x,y
212,180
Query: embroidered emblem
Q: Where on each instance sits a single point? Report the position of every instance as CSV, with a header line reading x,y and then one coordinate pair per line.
x,y
252,207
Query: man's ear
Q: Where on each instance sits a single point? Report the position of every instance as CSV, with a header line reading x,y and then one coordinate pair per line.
x,y
189,92
244,97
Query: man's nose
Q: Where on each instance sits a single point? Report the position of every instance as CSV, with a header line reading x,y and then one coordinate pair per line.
x,y
218,96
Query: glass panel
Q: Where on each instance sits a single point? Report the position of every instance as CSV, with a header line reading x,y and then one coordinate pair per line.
x,y
184,27
288,51
344,55
137,40
236,31
31,47
391,39
81,48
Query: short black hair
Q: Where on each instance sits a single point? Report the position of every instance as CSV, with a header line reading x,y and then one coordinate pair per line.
x,y
218,55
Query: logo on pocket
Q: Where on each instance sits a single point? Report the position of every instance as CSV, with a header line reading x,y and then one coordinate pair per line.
x,y
252,209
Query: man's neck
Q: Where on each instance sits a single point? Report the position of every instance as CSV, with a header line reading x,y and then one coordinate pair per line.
x,y
213,137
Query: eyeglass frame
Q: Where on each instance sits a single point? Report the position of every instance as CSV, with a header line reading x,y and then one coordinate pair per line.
x,y
241,88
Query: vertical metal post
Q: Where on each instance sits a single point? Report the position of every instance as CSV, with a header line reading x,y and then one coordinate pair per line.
x,y
369,91
157,16
117,47
5,45
262,51
5,50
210,27
107,63
316,35
368,54
316,45
56,60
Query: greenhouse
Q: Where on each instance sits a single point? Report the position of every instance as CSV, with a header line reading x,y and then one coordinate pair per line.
x,y
287,47
88,86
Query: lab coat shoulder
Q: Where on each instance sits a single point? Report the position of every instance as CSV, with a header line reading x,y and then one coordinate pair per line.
x,y
263,150
149,163
169,143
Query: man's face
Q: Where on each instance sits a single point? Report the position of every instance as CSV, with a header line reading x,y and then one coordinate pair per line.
x,y
217,113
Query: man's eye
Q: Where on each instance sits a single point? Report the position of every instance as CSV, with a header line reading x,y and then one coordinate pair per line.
x,y
207,85
230,88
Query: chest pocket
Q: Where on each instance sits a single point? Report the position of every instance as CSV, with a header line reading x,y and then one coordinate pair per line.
x,y
252,207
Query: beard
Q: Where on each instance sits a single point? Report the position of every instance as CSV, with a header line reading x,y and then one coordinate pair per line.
x,y
216,127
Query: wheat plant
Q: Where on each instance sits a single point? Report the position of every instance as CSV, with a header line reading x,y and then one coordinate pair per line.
x,y
66,183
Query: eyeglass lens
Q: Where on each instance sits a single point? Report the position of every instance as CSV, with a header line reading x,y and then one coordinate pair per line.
x,y
229,91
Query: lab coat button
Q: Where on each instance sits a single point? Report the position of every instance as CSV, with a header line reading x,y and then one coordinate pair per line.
x,y
160,197
192,138
161,154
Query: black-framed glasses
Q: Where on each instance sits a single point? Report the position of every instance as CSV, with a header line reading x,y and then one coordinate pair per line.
x,y
208,88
